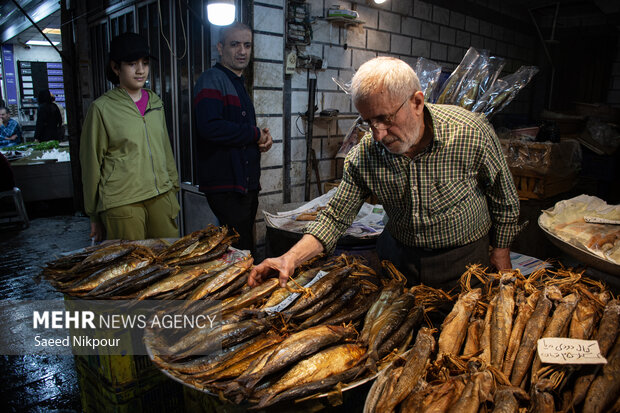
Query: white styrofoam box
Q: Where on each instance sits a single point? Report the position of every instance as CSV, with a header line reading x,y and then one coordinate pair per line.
x,y
378,41
400,44
324,80
268,102
268,47
268,74
356,36
389,21
369,16
441,15
430,31
361,56
421,48
410,26
463,39
472,24
439,51
274,156
271,180
447,35
336,56
457,20
268,19
422,10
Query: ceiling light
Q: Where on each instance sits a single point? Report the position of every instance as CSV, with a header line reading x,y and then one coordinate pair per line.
x,y
221,12
51,31
379,1
40,43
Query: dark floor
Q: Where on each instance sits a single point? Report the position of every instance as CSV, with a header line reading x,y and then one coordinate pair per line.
x,y
37,383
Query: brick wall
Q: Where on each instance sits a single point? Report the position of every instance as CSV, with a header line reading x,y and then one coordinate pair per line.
x,y
401,28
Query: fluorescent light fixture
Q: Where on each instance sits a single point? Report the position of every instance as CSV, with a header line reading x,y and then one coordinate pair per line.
x,y
379,1
49,30
40,43
221,12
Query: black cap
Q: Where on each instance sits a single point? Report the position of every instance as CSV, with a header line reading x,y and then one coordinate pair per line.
x,y
129,47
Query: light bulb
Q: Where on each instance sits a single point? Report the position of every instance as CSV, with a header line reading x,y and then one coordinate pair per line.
x,y
221,12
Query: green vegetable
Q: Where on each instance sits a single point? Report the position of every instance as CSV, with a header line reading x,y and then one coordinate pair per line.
x,y
40,146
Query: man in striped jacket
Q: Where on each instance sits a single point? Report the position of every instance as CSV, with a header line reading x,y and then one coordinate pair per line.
x,y
229,142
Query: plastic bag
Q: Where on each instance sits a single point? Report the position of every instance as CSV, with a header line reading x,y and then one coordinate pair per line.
x,y
344,86
504,90
493,69
428,73
450,88
468,93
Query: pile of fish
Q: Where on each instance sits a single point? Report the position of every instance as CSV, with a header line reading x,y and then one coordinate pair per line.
x,y
485,357
196,266
302,340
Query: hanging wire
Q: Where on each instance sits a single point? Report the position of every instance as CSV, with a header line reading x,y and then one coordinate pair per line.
x,y
161,30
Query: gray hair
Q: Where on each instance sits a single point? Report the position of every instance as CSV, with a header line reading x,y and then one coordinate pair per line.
x,y
384,73
226,30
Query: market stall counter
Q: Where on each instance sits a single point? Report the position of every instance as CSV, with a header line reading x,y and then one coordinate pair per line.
x,y
42,174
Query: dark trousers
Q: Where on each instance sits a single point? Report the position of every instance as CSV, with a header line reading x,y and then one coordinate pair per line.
x,y
438,268
238,211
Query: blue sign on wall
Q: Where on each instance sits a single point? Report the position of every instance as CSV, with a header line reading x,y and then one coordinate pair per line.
x,y
9,72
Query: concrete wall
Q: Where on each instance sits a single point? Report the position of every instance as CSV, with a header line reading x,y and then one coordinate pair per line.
x,y
404,29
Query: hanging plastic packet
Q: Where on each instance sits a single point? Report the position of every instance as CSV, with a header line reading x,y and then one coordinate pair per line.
x,y
450,88
504,91
428,74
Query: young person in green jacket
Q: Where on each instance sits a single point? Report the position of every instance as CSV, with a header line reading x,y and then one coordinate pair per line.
x,y
129,176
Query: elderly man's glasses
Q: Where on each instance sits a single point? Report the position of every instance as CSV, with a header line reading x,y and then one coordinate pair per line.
x,y
381,122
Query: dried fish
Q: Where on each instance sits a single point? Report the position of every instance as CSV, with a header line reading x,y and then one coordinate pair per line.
x,y
454,327
533,331
501,320
604,389
525,309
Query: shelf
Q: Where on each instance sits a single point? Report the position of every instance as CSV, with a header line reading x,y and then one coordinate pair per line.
x,y
344,21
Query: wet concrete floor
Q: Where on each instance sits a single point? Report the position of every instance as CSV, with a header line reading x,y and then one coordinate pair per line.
x,y
37,383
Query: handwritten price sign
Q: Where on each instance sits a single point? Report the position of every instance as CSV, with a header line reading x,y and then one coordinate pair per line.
x,y
559,350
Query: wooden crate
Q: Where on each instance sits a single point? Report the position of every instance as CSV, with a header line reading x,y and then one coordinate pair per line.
x,y
532,186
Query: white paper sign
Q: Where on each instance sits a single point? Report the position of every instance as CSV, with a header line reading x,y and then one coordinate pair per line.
x,y
560,350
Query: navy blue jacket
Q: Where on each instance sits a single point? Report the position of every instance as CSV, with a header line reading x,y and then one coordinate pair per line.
x,y
228,155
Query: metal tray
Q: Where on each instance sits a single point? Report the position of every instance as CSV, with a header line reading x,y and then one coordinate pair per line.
x,y
581,254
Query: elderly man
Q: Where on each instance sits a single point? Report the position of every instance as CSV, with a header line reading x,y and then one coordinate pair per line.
x,y
10,131
230,143
438,171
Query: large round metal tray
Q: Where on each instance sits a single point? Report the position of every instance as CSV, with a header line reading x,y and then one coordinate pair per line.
x,y
581,254
349,386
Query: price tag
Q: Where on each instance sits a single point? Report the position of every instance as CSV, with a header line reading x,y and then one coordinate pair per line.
x,y
560,350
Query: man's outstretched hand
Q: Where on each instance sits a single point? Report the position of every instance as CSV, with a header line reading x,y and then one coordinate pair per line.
x,y
278,266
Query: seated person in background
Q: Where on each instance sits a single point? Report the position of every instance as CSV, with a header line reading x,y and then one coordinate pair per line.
x,y
10,131
49,120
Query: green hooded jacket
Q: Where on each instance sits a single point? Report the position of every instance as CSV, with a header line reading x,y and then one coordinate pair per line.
x,y
125,157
